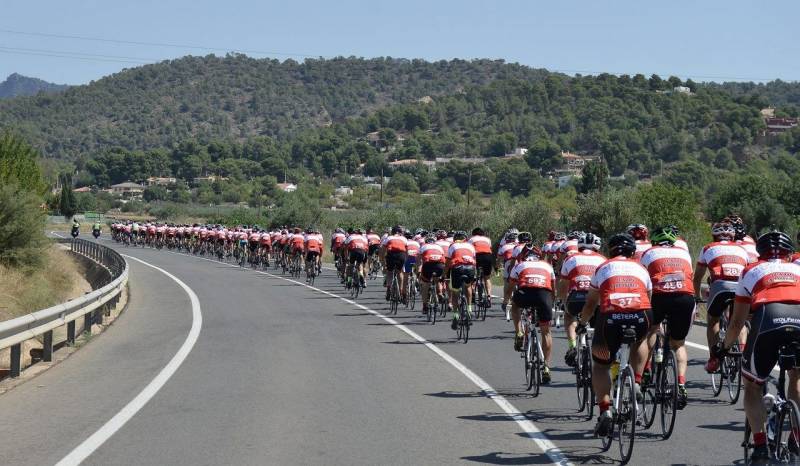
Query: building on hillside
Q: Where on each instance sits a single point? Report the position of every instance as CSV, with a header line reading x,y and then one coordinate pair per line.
x,y
209,179
84,189
768,112
574,163
779,125
470,160
161,181
430,164
517,153
127,189
287,187
682,90
425,99
344,191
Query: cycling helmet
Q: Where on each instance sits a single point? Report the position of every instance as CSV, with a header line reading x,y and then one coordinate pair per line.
x,y
441,234
723,231
423,233
638,231
357,231
478,231
418,231
531,253
511,237
774,244
622,244
512,230
574,234
397,230
675,229
589,241
339,230
551,235
309,231
430,239
459,235
525,237
663,236
408,235
559,236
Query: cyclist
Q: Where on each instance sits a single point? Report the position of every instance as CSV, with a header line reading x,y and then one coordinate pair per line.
x,y
547,247
461,267
505,263
393,250
312,245
670,270
741,237
483,259
768,294
573,285
724,260
680,242
412,251
640,234
296,242
621,287
76,228
357,246
96,228
533,280
432,258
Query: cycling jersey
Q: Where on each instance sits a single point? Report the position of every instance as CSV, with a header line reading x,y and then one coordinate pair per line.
x,y
461,254
265,239
254,237
297,241
313,243
337,240
772,281
482,244
580,267
412,248
505,252
444,244
641,247
623,285
679,243
373,239
568,248
750,246
725,260
432,253
395,243
533,274
356,242
547,247
670,269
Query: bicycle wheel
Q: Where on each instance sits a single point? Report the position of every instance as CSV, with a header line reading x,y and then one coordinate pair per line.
x,y
580,387
733,371
466,321
527,360
747,444
626,416
649,404
536,364
787,422
668,393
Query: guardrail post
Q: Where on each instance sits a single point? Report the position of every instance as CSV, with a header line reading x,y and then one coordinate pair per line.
x,y
71,332
16,360
47,343
87,323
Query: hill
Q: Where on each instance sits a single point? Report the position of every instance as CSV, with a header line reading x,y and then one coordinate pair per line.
x,y
776,93
233,97
17,85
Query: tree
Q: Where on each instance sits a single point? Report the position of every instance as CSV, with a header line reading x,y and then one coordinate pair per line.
x,y
67,205
22,233
594,177
155,193
18,164
402,183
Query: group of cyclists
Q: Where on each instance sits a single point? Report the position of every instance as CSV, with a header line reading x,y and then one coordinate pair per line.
x,y
646,276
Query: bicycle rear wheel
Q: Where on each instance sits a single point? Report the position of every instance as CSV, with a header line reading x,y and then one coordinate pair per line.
x,y
649,404
580,387
733,370
466,321
788,422
626,416
668,396
536,363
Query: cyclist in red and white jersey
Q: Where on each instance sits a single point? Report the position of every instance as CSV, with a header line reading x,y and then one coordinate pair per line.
x,y
621,287
357,246
768,295
640,233
724,260
393,252
505,262
534,287
313,244
412,251
670,270
461,268
483,258
574,284
547,247
431,263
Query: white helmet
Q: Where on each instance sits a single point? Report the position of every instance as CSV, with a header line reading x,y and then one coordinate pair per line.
x,y
589,241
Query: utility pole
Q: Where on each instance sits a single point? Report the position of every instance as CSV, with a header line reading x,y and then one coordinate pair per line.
x,y
381,185
469,184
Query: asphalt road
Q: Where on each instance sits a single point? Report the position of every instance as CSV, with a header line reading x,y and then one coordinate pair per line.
x,y
285,374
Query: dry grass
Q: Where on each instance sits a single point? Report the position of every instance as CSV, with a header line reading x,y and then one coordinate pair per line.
x,y
25,290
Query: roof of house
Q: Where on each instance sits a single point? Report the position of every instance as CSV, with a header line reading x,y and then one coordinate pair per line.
x,y
127,184
84,189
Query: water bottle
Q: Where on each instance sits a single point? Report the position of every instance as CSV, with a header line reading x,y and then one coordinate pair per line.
x,y
659,355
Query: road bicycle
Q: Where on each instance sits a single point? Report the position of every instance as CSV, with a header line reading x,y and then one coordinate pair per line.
x,y
481,297
433,299
661,391
295,267
464,317
412,290
373,266
311,271
783,417
729,372
583,373
355,283
624,402
532,353
394,292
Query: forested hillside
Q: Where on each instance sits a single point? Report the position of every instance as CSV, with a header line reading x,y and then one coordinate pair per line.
x,y
232,97
776,93
18,85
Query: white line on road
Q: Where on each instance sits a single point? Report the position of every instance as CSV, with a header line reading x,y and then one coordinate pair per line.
x,y
82,451
530,429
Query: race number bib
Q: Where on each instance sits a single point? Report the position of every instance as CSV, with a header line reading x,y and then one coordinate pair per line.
x,y
625,300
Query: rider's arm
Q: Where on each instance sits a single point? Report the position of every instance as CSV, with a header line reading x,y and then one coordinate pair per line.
x,y
592,300
563,288
699,272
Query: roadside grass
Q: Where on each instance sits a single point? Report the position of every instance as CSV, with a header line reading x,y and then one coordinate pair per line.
x,y
24,290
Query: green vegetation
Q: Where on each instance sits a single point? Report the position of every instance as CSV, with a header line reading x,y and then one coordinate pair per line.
x,y
18,85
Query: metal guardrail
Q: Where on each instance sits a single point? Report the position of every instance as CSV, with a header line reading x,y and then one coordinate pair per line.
x,y
91,306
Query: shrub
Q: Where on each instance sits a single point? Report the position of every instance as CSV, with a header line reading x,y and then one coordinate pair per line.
x,y
21,227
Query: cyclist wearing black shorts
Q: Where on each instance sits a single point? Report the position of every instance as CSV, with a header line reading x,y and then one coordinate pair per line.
x,y
621,287
430,264
356,244
573,285
768,294
461,267
484,259
533,280
394,253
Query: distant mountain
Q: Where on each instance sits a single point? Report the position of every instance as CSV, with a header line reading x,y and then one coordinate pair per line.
x,y
235,98
18,85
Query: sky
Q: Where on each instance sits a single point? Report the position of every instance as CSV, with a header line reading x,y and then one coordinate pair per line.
x,y
706,40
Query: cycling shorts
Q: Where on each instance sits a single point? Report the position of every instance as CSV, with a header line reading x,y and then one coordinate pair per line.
x,y
373,248
575,302
395,260
485,262
773,325
409,265
680,309
312,255
460,275
608,332
253,246
539,300
720,293
358,256
432,269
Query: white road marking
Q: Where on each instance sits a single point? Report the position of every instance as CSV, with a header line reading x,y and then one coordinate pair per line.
x,y
530,429
82,451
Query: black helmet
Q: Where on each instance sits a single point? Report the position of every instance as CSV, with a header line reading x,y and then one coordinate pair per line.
x,y
525,237
397,230
622,244
477,231
459,235
774,244
430,239
408,235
